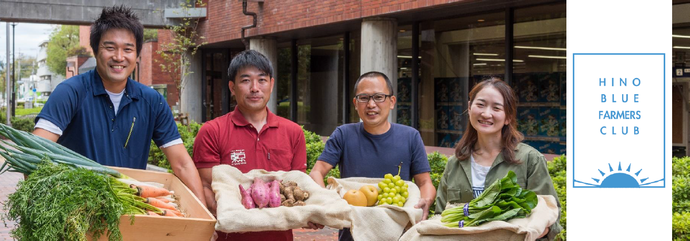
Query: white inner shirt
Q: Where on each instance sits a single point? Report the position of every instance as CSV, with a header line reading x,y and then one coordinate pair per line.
x,y
478,177
115,98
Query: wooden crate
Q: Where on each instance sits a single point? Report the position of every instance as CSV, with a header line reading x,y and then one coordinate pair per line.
x,y
198,225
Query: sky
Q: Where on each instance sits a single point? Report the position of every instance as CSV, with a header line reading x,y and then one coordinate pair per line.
x,y
27,38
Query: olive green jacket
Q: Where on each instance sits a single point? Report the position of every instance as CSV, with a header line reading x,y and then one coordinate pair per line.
x,y
532,174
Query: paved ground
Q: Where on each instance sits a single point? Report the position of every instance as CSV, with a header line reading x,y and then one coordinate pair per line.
x,y
8,183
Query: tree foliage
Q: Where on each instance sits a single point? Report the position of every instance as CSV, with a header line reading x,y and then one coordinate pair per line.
x,y
150,34
63,42
27,64
177,54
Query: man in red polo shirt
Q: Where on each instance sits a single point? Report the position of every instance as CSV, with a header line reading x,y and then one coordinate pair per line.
x,y
250,137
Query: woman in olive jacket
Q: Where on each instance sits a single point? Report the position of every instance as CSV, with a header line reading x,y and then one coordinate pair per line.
x,y
490,147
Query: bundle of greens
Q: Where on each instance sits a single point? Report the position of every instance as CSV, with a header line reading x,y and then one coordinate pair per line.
x,y
29,150
503,200
67,196
60,203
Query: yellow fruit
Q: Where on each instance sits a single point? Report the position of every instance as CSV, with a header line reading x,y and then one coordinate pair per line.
x,y
355,198
371,193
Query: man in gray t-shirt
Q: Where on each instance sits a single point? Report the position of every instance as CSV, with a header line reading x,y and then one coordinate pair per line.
x,y
375,146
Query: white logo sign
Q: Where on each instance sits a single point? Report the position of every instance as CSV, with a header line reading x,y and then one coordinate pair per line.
x,y
238,157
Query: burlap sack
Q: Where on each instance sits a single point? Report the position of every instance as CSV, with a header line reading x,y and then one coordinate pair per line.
x,y
323,206
385,222
543,215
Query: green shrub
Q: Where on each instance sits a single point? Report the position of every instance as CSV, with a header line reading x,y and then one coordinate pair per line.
x,y
681,167
187,133
315,147
681,198
24,124
681,226
558,177
437,162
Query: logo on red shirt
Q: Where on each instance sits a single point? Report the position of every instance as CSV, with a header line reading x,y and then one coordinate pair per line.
x,y
238,157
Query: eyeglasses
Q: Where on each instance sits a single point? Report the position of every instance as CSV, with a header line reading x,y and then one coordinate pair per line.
x,y
378,97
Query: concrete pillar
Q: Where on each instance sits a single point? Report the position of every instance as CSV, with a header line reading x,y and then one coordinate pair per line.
x,y
379,50
269,48
191,90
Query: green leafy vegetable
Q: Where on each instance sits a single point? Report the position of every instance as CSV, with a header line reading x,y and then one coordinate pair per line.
x,y
502,200
60,203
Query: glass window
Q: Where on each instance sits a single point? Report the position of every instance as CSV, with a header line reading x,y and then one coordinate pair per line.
x,y
355,46
681,80
454,54
539,77
283,80
320,74
404,91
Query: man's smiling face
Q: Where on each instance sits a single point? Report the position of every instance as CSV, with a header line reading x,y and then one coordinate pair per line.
x,y
117,55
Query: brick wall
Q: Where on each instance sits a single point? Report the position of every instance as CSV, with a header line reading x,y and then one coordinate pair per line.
x,y
225,19
76,62
149,65
145,63
84,37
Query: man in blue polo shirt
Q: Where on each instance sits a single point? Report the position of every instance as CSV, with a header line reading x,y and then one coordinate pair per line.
x,y
110,118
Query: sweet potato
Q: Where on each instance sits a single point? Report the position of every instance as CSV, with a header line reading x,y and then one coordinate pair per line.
x,y
260,192
246,197
274,194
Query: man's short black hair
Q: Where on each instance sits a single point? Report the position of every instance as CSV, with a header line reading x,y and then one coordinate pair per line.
x,y
249,58
374,74
117,17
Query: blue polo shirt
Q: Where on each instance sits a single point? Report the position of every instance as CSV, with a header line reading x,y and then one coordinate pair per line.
x,y
82,109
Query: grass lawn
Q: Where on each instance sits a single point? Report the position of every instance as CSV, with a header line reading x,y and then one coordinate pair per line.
x,y
23,112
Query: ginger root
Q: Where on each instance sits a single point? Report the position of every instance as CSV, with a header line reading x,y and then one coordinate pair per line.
x,y
289,193
288,203
289,184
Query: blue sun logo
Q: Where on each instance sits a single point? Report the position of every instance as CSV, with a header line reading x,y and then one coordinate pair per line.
x,y
620,178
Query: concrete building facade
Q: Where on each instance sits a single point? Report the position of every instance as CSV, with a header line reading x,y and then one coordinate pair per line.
x,y
46,80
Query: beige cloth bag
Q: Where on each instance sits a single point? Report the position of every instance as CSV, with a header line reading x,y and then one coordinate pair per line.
x,y
379,222
323,206
543,215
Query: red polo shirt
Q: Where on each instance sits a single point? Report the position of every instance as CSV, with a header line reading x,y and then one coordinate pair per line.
x,y
231,139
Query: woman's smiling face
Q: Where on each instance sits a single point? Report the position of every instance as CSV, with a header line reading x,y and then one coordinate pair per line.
x,y
486,111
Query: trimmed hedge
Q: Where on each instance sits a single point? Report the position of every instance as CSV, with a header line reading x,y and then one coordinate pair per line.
x,y
681,198
558,177
187,133
315,147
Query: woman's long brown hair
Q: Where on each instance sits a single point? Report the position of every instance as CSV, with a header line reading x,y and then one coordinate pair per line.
x,y
510,136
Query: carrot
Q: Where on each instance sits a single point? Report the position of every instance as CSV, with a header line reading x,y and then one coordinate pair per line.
x,y
165,200
158,203
152,213
148,191
177,213
169,214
